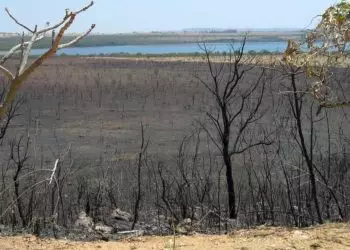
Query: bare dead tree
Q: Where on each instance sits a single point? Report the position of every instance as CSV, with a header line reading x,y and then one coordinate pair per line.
x,y
10,105
140,159
19,156
297,103
12,112
24,70
238,104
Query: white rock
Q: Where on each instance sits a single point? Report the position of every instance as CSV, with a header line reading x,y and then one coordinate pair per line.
x,y
84,222
100,227
187,221
121,215
132,233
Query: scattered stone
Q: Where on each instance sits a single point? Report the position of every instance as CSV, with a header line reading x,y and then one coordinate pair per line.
x,y
184,227
132,233
121,215
315,245
233,223
198,213
100,227
3,228
122,225
187,221
84,222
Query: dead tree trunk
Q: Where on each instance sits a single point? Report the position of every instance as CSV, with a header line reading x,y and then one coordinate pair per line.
x,y
297,112
24,71
235,108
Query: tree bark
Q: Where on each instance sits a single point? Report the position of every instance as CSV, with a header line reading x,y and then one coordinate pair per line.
x,y
228,163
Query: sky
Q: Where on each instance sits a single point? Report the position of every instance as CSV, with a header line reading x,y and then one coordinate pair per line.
x,y
120,16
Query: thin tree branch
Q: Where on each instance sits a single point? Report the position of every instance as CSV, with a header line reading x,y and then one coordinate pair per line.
x,y
26,53
84,8
65,19
265,143
53,171
16,21
77,39
14,49
15,84
7,72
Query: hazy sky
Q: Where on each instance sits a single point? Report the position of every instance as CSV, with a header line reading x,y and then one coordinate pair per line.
x,y
114,16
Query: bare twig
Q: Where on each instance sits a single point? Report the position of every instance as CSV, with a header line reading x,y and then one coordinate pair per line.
x,y
84,8
77,39
16,48
7,72
65,19
54,171
16,21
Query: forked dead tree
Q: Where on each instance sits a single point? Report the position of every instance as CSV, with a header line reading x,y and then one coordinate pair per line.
x,y
238,104
9,105
24,47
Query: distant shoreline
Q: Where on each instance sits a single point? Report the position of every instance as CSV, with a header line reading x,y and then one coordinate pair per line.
x,y
160,39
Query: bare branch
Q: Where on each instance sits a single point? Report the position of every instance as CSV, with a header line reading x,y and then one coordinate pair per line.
x,y
16,21
26,53
77,39
7,72
260,143
216,122
65,19
23,73
53,171
52,27
212,138
15,84
239,111
14,49
84,8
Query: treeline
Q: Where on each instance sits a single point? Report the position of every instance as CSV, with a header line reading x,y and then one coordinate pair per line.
x,y
143,39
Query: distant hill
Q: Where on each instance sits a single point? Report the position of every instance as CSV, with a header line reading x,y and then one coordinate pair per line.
x,y
232,30
7,34
209,30
201,35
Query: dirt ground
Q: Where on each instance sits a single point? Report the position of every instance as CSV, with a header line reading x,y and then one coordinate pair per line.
x,y
330,236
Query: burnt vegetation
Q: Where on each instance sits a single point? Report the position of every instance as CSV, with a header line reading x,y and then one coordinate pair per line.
x,y
181,146
259,154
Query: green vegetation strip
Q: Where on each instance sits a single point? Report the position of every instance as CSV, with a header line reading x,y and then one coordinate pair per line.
x,y
156,38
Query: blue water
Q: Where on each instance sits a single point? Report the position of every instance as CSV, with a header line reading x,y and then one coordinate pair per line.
x,y
168,48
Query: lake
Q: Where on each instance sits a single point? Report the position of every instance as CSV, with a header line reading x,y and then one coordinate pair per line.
x,y
184,48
